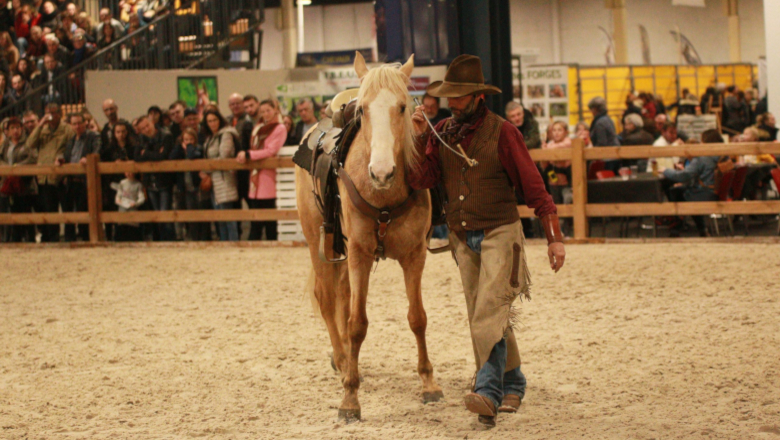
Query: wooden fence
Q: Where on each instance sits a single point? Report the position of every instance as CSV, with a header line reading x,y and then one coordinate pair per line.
x,y
579,210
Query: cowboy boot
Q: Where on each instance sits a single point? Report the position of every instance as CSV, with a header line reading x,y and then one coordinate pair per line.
x,y
510,404
483,407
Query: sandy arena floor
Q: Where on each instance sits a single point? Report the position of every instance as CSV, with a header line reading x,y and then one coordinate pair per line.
x,y
653,341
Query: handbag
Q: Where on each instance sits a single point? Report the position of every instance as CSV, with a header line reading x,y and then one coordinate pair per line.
x,y
206,184
12,186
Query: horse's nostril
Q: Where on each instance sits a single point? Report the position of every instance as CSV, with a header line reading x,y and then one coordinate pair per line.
x,y
371,173
392,173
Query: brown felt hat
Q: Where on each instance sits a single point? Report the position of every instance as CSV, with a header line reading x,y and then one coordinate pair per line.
x,y
463,77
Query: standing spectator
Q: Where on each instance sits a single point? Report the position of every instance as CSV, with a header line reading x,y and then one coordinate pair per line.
x,y
649,109
129,197
155,113
582,131
49,14
267,140
433,110
244,126
48,141
525,122
736,112
111,110
668,138
106,36
176,112
189,184
633,133
767,125
252,108
27,69
11,52
106,20
82,49
305,110
289,125
51,69
559,172
22,190
119,147
220,143
30,121
156,145
59,53
83,21
77,149
19,89
602,129
631,106
660,107
7,19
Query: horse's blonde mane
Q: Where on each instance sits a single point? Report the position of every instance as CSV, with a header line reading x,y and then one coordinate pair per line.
x,y
389,77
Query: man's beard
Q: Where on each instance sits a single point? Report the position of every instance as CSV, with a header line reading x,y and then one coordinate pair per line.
x,y
467,112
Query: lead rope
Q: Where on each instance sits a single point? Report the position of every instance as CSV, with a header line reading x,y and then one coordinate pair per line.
x,y
471,162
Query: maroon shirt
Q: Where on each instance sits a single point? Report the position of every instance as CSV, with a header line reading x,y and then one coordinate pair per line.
x,y
512,153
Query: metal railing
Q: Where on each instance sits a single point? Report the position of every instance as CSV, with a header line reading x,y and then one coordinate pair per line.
x,y
179,39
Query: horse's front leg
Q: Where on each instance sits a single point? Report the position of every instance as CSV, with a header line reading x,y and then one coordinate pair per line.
x,y
413,265
357,326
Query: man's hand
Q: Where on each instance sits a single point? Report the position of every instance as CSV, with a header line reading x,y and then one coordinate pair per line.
x,y
557,255
241,157
418,120
83,161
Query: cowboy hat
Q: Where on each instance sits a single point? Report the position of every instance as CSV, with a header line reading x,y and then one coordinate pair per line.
x,y
463,77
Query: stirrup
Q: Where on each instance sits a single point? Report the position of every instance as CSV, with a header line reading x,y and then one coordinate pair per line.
x,y
440,249
324,257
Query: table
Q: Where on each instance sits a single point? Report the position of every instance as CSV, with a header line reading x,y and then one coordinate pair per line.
x,y
645,188
758,176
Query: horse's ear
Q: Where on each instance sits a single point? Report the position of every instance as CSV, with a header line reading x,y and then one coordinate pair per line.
x,y
407,68
360,65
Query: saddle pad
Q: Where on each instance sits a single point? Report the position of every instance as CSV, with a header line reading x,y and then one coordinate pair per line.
x,y
323,136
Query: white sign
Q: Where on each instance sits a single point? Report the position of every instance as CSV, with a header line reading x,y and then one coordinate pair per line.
x,y
546,93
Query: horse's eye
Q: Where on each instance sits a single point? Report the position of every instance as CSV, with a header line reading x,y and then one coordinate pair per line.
x,y
403,108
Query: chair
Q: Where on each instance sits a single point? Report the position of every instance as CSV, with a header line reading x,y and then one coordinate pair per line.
x,y
595,167
740,174
604,174
776,178
722,191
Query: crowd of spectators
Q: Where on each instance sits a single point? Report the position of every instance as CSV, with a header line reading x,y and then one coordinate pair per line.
x,y
647,121
254,130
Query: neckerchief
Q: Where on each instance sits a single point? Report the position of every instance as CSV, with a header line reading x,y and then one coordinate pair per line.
x,y
459,130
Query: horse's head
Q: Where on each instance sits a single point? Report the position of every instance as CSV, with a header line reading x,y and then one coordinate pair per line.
x,y
386,120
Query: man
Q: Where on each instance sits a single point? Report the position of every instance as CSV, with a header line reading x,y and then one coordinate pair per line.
x,y
77,149
176,113
156,145
107,20
52,69
485,230
602,130
433,109
668,138
19,89
305,108
81,48
14,152
698,179
36,45
524,120
111,110
244,125
48,140
252,108
59,52
29,121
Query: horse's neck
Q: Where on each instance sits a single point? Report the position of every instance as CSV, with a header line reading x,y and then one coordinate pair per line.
x,y
357,167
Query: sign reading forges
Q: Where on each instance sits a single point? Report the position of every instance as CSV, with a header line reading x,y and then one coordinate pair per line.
x,y
546,93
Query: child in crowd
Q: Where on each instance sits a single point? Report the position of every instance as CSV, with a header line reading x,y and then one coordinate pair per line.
x,y
559,172
129,196
189,184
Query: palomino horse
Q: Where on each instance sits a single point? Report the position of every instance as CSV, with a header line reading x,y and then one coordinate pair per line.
x,y
381,155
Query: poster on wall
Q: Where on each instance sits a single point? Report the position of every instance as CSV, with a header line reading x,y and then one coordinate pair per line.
x,y
546,93
189,88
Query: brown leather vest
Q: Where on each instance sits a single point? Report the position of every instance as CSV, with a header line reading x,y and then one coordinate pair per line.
x,y
480,197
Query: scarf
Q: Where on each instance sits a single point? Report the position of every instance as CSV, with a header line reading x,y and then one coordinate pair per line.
x,y
459,130
258,143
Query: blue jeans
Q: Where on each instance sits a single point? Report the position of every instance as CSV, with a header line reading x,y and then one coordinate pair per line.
x,y
228,231
492,382
161,201
441,231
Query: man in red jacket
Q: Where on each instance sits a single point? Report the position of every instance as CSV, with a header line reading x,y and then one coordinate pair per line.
x,y
485,230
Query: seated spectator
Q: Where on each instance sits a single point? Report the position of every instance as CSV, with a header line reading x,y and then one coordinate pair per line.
x,y
36,45
72,9
65,38
27,18
698,181
668,138
524,120
84,21
51,70
660,107
7,17
67,23
27,69
267,139
29,121
736,113
129,197
221,140
77,149
687,105
19,89
129,11
767,127
19,191
156,145
49,14
59,53
631,106
582,131
11,52
648,105
107,20
82,49
633,133
433,109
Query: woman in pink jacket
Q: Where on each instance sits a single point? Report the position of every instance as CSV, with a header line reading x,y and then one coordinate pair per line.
x,y
268,137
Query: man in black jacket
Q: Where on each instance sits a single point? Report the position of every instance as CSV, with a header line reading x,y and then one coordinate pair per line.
x,y
76,151
156,145
111,110
244,125
305,108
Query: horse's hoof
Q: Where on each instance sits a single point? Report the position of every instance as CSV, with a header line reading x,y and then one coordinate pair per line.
x,y
349,415
432,396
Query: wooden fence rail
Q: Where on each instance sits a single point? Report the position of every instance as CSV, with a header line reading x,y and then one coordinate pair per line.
x,y
579,210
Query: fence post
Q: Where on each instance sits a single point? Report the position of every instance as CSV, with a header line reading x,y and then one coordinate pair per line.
x,y
579,187
94,199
